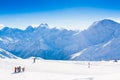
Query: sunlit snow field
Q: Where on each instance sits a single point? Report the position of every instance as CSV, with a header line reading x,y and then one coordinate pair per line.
x,y
59,70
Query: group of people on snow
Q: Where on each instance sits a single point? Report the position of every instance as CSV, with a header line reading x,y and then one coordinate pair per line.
x,y
19,69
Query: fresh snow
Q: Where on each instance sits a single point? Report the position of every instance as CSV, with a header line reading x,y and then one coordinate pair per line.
x,y
7,40
6,54
77,54
1,39
107,43
59,70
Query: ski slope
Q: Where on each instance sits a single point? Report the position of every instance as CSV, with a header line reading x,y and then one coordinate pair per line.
x,y
59,70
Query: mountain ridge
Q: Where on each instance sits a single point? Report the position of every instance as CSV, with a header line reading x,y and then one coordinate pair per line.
x,y
5,54
62,44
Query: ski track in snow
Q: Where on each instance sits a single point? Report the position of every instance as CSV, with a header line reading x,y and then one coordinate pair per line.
x,y
59,70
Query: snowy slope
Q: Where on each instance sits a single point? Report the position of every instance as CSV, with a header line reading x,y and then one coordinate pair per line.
x,y
105,40
106,51
5,54
59,70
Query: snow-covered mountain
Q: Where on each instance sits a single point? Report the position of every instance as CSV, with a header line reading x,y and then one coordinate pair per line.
x,y
39,42
99,42
5,54
104,38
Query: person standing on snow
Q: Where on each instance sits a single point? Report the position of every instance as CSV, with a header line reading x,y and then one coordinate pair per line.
x,y
34,59
15,69
23,69
19,69
88,64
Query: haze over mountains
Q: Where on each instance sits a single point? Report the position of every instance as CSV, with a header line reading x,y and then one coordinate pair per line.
x,y
99,42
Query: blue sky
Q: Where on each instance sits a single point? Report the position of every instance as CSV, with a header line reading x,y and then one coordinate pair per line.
x,y
71,14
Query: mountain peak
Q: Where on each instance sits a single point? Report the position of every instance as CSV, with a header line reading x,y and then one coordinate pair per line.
x,y
29,28
6,28
43,25
105,23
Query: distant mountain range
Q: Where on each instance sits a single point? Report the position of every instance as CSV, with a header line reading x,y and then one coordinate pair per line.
x,y
101,41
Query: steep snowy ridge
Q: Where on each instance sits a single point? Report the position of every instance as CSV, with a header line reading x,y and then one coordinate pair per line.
x,y
99,42
5,54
